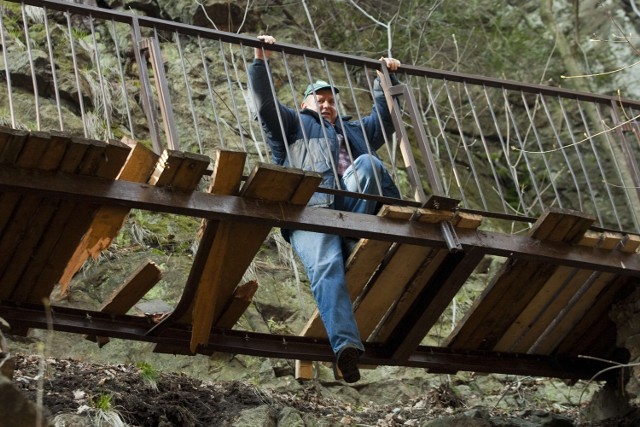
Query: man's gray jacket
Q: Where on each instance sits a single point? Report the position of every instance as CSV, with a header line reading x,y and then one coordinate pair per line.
x,y
303,137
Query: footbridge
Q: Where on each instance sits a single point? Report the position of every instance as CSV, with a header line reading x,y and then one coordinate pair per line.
x,y
533,188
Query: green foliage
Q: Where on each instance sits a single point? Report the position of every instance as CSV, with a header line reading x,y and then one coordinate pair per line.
x,y
149,375
104,402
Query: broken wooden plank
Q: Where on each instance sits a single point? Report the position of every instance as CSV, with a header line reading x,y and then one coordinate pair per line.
x,y
241,299
228,260
136,286
73,219
108,220
226,179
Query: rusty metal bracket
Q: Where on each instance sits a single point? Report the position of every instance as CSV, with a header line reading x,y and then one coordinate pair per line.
x,y
446,227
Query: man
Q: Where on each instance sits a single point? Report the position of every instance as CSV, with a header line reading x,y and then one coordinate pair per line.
x,y
316,139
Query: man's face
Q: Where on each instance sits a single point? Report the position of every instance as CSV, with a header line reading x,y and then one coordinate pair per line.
x,y
325,106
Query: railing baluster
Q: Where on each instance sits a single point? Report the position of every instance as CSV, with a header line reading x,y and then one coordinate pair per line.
x,y
125,95
7,72
597,156
52,64
105,101
212,99
455,175
77,74
562,151
485,145
523,155
542,152
34,80
189,96
465,146
585,173
234,106
530,158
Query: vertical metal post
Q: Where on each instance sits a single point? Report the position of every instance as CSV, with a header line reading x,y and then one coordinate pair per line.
x,y
145,88
152,47
396,115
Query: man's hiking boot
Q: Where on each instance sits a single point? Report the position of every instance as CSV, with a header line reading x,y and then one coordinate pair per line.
x,y
347,361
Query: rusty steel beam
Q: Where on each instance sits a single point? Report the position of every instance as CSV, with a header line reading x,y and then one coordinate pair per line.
x,y
204,205
435,359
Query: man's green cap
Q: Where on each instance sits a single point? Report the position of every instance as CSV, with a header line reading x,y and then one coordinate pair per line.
x,y
319,85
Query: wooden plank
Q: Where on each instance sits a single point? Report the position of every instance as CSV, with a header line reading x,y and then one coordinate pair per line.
x,y
56,149
226,179
72,162
467,220
428,306
242,297
571,315
579,341
11,143
427,270
505,297
75,227
33,150
93,157
21,257
388,286
439,297
167,168
361,265
543,308
629,244
133,289
227,172
27,221
271,182
140,164
109,219
136,286
113,158
190,172
228,260
42,253
304,370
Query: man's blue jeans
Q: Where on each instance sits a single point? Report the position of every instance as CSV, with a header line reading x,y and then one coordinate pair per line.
x,y
323,256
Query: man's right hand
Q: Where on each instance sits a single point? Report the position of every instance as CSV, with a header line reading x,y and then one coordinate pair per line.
x,y
261,53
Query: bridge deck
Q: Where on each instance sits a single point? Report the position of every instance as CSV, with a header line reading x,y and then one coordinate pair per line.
x,y
64,200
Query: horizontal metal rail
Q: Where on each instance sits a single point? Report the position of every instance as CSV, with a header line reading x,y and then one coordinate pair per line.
x,y
499,146
435,359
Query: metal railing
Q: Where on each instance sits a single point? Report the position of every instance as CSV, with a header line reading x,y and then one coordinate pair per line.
x,y
499,147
